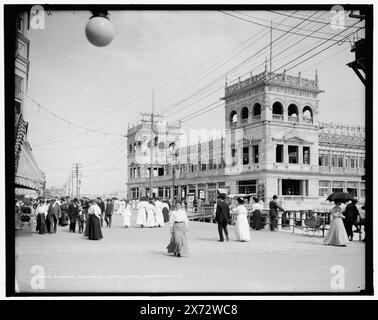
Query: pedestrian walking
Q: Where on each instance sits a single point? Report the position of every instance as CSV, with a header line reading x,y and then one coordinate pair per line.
x,y
81,217
351,215
336,235
150,208
126,214
94,227
101,205
142,213
41,212
222,215
159,213
257,208
73,213
178,224
53,214
165,211
273,210
109,213
241,224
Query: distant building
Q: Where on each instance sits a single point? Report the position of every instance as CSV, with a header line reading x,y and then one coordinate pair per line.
x,y
53,192
273,144
29,178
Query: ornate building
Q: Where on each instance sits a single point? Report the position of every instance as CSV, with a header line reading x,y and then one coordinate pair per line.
x,y
273,144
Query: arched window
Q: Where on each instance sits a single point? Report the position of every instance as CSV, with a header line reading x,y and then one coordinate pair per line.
x,y
277,111
244,113
307,114
292,112
233,118
256,111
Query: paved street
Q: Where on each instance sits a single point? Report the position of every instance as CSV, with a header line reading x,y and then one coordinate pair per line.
x,y
135,260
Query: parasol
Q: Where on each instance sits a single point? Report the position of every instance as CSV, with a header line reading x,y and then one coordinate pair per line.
x,y
340,196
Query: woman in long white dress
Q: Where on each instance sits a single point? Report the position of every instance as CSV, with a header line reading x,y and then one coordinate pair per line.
x,y
241,225
126,214
142,213
159,213
151,222
337,235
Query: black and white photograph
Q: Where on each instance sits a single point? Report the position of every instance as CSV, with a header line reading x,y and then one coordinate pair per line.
x,y
188,149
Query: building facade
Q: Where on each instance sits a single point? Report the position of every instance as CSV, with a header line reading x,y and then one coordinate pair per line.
x,y
272,144
29,180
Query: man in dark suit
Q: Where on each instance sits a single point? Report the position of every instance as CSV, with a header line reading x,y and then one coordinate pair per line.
x,y
73,212
53,215
273,208
49,217
108,213
351,215
101,204
222,215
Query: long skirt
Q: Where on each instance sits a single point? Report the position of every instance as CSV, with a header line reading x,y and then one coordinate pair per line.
x,y
151,222
159,218
86,227
165,214
141,217
336,235
126,219
178,243
41,224
257,222
94,228
242,228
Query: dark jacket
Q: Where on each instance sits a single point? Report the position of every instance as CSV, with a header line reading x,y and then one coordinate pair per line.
x,y
273,208
54,210
351,213
73,212
109,208
222,214
101,204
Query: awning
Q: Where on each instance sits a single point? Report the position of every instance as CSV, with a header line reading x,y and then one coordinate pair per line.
x,y
28,174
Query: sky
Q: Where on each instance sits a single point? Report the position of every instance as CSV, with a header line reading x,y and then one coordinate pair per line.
x,y
184,58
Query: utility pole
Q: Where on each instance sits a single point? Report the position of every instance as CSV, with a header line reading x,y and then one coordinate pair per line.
x,y
76,173
72,183
150,117
69,185
271,38
152,145
360,48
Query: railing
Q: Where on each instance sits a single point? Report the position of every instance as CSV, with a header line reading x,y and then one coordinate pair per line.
x,y
294,221
278,117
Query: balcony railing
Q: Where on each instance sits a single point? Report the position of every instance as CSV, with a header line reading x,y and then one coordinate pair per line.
x,y
278,117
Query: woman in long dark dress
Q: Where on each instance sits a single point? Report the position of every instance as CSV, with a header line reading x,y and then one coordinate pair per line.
x,y
41,212
94,225
178,223
257,208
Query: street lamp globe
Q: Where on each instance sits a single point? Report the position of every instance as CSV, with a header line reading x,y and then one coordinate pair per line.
x,y
99,30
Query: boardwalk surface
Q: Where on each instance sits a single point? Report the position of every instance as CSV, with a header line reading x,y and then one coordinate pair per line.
x,y
135,260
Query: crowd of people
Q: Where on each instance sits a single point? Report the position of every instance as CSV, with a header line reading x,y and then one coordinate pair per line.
x,y
88,215
82,213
